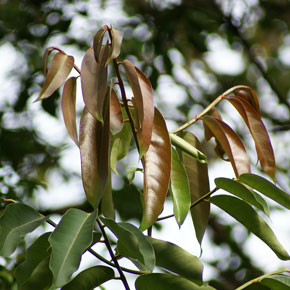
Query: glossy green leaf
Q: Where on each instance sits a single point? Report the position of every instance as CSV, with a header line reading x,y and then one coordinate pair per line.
x,y
259,133
132,243
107,203
231,143
117,38
248,217
241,191
267,188
197,174
116,117
173,258
94,84
60,68
188,148
179,187
90,278
277,281
15,223
34,272
98,40
157,167
158,281
71,238
94,147
68,106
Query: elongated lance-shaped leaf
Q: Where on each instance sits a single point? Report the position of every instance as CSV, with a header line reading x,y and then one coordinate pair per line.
x,y
15,223
267,188
60,68
34,272
179,187
90,278
95,150
144,105
98,41
247,216
160,281
107,203
259,133
243,192
231,143
68,106
197,174
94,84
45,58
71,238
157,167
175,259
132,243
116,116
117,38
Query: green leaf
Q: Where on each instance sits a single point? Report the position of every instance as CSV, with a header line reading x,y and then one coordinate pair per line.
x,y
267,188
60,68
173,258
107,204
16,222
157,167
248,217
188,148
277,281
197,174
90,278
71,238
241,191
131,173
132,243
34,272
158,281
179,188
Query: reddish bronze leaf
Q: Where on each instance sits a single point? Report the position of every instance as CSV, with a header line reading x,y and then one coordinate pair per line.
x,y
44,59
68,106
98,41
117,38
116,117
157,166
231,143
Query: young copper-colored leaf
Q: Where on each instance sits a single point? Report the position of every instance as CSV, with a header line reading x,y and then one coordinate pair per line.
x,y
45,58
60,68
68,106
116,116
117,38
259,133
231,143
94,84
157,167
94,147
197,174
98,41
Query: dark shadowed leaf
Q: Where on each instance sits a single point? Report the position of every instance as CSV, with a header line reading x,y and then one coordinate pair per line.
x,y
158,281
231,143
157,167
173,258
17,220
90,278
116,117
197,174
248,217
71,238
98,41
68,106
60,68
94,84
179,188
267,188
107,204
277,281
259,133
117,38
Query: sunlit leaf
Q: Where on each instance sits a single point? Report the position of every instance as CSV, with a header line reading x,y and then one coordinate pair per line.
x,y
72,236
231,143
241,191
197,174
157,167
34,272
179,188
117,38
259,133
90,278
94,84
17,220
158,281
132,243
267,188
98,40
60,68
173,258
247,216
116,117
68,106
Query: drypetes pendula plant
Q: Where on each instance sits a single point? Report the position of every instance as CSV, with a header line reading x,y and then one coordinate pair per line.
x,y
172,162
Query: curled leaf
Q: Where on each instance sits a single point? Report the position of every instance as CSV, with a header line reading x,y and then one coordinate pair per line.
x,y
117,38
98,41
